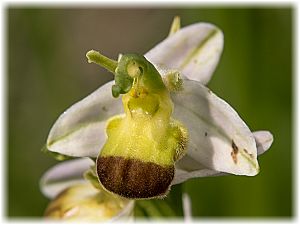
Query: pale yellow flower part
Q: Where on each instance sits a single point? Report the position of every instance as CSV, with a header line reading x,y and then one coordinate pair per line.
x,y
83,202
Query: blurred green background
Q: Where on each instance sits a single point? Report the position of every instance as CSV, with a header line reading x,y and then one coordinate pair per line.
x,y
47,72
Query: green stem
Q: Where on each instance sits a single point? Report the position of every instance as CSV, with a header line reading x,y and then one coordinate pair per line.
x,y
171,206
95,57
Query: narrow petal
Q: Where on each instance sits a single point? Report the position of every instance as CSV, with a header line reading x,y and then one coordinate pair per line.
x,y
127,214
182,175
80,130
187,168
188,164
219,139
64,175
264,140
194,50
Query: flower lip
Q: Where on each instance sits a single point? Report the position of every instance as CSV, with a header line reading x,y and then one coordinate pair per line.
x,y
143,180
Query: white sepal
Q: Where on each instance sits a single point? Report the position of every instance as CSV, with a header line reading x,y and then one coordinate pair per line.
x,y
80,130
194,51
64,175
264,140
219,139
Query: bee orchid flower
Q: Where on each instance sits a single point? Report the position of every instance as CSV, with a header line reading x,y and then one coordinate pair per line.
x,y
167,127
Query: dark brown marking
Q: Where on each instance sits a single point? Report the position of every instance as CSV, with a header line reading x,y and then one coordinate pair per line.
x,y
205,134
251,155
104,108
235,151
133,178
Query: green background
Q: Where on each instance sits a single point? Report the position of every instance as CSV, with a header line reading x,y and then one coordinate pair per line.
x,y
47,72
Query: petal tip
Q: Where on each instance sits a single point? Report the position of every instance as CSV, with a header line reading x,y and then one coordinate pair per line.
x,y
264,140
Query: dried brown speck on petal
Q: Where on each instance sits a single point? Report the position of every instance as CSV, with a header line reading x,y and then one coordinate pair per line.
x,y
234,152
235,149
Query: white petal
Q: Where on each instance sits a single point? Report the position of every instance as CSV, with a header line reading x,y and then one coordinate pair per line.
x,y
187,168
182,175
126,215
64,175
264,140
219,139
194,50
80,131
187,163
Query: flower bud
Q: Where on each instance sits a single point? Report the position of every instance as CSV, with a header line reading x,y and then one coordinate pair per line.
x,y
83,202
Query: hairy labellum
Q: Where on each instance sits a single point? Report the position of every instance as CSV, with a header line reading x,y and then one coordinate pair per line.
x,y
133,178
137,160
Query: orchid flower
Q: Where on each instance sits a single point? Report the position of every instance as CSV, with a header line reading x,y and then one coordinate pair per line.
x,y
186,131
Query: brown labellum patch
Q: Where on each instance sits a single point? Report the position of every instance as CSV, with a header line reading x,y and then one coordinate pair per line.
x,y
132,178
